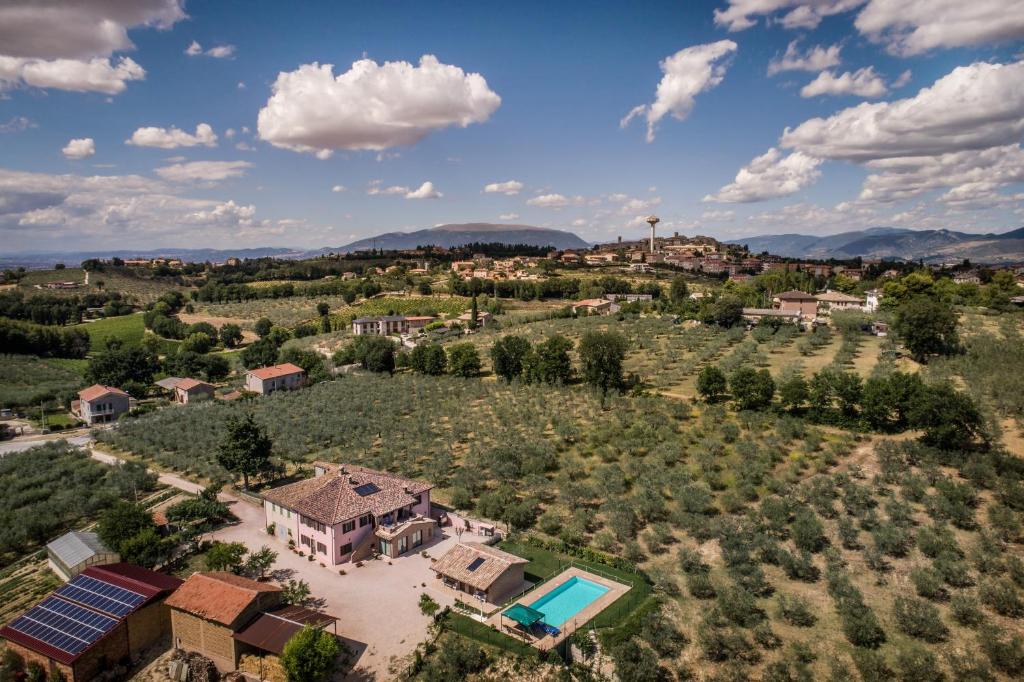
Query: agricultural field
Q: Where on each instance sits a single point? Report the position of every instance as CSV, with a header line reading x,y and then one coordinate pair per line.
x,y
128,328
139,291
26,380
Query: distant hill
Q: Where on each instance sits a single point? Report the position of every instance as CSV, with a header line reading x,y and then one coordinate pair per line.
x,y
895,243
44,260
449,236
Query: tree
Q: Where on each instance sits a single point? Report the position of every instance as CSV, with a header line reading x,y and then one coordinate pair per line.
x,y
263,327
429,358
507,356
949,418
259,354
725,311
309,360
230,335
295,592
793,392
246,448
259,562
752,389
636,662
927,327
886,401
474,314
226,556
198,342
711,383
198,511
121,367
311,655
464,360
679,291
322,309
601,354
121,522
549,361
375,353
428,607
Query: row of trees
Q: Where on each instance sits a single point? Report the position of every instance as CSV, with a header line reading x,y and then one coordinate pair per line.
x,y
461,360
25,338
50,309
601,356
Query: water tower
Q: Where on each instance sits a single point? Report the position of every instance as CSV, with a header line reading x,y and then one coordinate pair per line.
x,y
652,220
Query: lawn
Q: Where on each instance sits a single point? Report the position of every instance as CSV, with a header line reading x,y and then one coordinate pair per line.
x,y
128,328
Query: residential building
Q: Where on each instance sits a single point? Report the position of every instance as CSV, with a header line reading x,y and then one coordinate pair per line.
x,y
100,404
798,301
872,299
641,267
967,278
755,315
487,573
595,306
266,380
483,318
209,609
192,390
386,325
105,615
349,513
629,298
73,552
831,301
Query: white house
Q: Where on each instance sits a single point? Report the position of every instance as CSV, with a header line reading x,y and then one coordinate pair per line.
x,y
100,404
871,300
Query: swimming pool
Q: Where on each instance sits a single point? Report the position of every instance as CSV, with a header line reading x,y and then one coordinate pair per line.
x,y
568,599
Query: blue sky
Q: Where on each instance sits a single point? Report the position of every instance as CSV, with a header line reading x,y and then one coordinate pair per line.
x,y
919,108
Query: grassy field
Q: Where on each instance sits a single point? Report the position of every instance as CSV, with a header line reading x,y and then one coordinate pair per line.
x,y
128,328
289,312
139,291
26,380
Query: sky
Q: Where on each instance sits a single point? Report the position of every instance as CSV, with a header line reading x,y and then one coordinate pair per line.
x,y
135,124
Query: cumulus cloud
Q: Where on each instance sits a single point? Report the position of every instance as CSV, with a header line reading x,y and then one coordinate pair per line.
x,y
556,201
375,189
742,14
630,205
768,176
17,124
203,171
372,106
68,45
217,52
718,215
172,138
510,187
509,216
339,188
911,27
903,79
972,107
862,82
425,191
688,73
817,58
79,148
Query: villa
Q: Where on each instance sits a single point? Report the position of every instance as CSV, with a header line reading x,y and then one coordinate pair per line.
x,y
390,324
348,513
595,306
831,301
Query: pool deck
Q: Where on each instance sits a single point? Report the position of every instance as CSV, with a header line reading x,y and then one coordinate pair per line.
x,y
547,642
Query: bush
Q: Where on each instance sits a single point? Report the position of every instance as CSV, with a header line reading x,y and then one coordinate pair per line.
x,y
966,610
808,531
740,606
918,618
871,665
701,586
796,610
914,663
1005,653
928,583
1001,596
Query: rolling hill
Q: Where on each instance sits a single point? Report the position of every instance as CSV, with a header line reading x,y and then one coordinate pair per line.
x,y
466,233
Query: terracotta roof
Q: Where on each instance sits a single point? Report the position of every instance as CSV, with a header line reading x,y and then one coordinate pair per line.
x,y
490,564
218,596
189,384
794,295
837,297
275,371
332,498
592,302
98,391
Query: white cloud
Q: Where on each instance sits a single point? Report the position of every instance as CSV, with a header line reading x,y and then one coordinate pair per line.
x,y
902,80
229,133
79,148
862,82
768,176
742,14
68,45
510,187
509,216
718,215
631,205
339,188
689,72
217,52
375,189
203,171
556,201
241,85
817,58
172,138
425,191
972,107
911,27
372,106
579,222
17,124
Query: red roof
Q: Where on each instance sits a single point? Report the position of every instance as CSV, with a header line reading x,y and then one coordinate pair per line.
x,y
98,391
218,596
135,578
276,371
189,384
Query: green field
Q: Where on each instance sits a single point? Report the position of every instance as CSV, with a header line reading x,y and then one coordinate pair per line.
x,y
26,380
128,328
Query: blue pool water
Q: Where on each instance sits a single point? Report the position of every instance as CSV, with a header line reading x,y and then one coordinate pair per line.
x,y
568,599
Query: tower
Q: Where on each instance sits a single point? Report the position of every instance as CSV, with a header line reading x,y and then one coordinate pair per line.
x,y
652,220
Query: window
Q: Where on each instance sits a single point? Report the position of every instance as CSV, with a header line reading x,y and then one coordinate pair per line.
x,y
348,526
321,548
417,499
417,538
403,544
365,519
306,541
345,549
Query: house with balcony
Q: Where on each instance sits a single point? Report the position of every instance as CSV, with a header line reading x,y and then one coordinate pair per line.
x,y
349,513
100,404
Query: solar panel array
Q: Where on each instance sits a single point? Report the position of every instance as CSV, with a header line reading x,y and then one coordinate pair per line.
x,y
102,596
367,489
477,563
63,625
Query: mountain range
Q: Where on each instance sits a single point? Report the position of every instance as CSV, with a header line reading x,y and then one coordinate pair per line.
x,y
448,236
931,246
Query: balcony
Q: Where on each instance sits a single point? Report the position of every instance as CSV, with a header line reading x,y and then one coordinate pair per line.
x,y
390,531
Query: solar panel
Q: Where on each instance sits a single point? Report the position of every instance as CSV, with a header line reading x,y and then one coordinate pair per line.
x,y
367,489
102,596
477,563
63,625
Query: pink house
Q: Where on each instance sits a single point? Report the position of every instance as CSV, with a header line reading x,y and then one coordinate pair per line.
x,y
266,380
350,513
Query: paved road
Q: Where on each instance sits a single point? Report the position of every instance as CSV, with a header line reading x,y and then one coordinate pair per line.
x,y
9,446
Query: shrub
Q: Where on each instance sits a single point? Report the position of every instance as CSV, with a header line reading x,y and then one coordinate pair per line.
x,y
700,586
799,567
795,610
766,637
808,531
893,540
915,663
739,606
918,618
928,583
1001,596
872,666
1005,653
966,610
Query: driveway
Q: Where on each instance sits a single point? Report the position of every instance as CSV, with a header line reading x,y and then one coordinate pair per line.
x,y
377,605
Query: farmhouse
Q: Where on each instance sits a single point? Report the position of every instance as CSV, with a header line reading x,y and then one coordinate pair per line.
x,y
104,615
798,301
487,573
100,404
266,380
192,390
349,513
73,552
595,306
390,324
755,315
830,301
483,318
